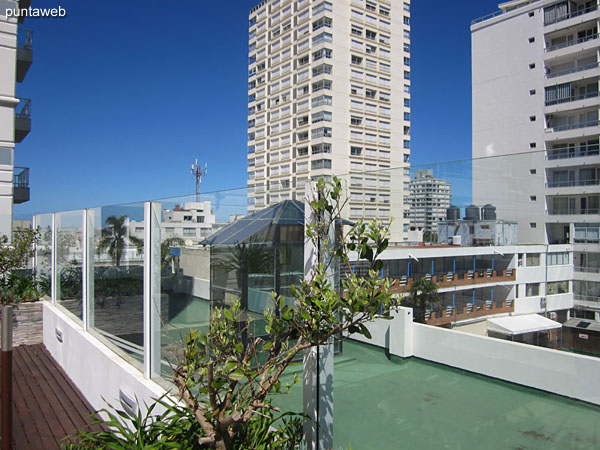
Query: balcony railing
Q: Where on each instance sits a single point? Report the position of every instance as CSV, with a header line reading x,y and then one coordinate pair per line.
x,y
471,311
571,43
572,70
566,152
573,211
21,177
449,280
586,298
572,98
570,15
560,184
572,126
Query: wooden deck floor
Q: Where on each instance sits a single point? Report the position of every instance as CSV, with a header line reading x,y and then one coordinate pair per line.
x,y
47,405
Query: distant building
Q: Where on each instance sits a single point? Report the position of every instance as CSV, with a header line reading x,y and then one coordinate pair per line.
x,y
429,199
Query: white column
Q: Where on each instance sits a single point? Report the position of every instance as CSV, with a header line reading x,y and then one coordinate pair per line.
x,y
85,274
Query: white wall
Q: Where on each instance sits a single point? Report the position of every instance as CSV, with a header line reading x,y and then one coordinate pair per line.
x,y
97,371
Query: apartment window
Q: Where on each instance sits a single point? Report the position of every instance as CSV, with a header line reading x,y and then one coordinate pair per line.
x,y
406,158
532,225
355,151
356,135
321,132
558,259
371,49
531,13
533,198
321,38
406,20
532,289
532,92
320,164
531,40
323,68
371,6
302,106
322,22
384,154
532,145
321,7
356,60
321,148
406,61
532,66
320,85
407,102
371,123
355,197
303,61
384,110
355,120
357,15
384,67
406,116
302,90
533,259
355,165
189,232
406,75
356,75
302,166
532,118
369,78
532,171
323,53
321,116
356,105
384,11
370,93
302,151
357,31
371,153
321,100
371,35
557,287
406,144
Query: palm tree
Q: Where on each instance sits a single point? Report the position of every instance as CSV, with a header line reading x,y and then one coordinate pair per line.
x,y
423,294
113,239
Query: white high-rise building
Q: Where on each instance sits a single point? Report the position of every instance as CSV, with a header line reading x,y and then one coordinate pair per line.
x,y
15,122
536,71
429,200
329,93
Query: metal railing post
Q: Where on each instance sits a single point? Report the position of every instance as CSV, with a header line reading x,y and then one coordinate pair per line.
x,y
6,381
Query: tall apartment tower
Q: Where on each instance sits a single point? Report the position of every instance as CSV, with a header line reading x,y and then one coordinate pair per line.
x,y
329,93
429,200
535,96
15,123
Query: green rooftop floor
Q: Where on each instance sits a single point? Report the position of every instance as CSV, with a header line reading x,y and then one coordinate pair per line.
x,y
415,404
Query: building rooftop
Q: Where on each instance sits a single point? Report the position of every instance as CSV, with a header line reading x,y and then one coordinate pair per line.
x,y
380,403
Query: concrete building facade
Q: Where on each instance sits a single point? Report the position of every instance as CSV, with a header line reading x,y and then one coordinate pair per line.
x,y
329,93
15,120
535,98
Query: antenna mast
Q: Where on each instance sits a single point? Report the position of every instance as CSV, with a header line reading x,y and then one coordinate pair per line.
x,y
198,172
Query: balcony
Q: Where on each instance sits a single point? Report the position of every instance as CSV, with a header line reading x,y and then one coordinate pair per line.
x,y
572,126
21,185
571,43
571,70
572,183
22,119
471,311
24,53
570,152
561,17
572,98
453,280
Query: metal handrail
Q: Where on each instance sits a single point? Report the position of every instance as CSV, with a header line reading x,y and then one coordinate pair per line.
x,y
564,152
570,43
27,41
572,98
556,184
21,179
571,15
571,212
573,126
487,16
23,109
587,269
572,70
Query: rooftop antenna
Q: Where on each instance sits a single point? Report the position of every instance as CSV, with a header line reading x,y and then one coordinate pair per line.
x,y
198,172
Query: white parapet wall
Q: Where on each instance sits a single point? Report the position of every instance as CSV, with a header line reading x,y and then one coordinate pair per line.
x,y
556,371
98,372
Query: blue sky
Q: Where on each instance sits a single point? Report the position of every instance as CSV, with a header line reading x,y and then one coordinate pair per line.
x,y
125,95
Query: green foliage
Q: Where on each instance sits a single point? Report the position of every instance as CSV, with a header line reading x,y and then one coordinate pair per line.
x,y
227,377
174,428
113,239
14,286
423,294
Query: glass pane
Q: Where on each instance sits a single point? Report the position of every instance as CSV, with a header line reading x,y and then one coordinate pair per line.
x,y
69,252
43,254
117,310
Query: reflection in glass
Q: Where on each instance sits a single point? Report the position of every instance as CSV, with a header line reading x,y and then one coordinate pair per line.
x,y
69,253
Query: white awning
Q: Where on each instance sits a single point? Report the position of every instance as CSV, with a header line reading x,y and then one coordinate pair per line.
x,y
529,323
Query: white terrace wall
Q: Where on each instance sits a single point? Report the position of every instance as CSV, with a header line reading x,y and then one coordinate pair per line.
x,y
97,371
550,370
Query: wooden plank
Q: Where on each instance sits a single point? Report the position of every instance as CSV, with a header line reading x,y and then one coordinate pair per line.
x,y
76,411
45,398
38,432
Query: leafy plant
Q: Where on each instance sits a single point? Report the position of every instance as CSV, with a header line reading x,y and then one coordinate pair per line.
x,y
227,380
14,255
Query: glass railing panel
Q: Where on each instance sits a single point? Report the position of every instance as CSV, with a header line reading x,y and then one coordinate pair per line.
x,y
69,261
117,297
43,254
